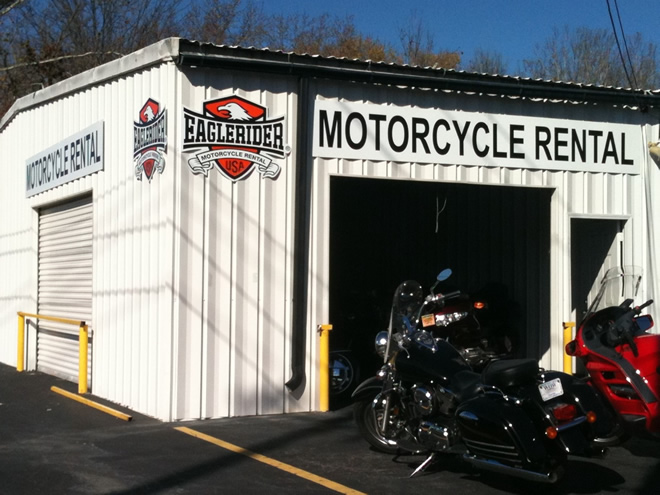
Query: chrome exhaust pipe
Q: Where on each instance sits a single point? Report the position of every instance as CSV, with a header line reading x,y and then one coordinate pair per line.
x,y
498,467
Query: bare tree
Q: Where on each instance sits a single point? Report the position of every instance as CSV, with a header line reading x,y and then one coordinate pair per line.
x,y
418,47
7,5
333,37
227,22
486,62
591,56
47,41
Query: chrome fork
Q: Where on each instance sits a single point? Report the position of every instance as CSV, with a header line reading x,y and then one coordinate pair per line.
x,y
386,414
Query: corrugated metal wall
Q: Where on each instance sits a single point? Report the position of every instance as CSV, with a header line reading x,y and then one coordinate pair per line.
x,y
233,254
192,276
597,195
132,237
18,240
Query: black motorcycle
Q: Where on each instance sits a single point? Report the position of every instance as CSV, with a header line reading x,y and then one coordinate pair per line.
x,y
480,326
513,418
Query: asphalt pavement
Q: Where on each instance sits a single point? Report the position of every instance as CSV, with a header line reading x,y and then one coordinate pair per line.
x,y
52,444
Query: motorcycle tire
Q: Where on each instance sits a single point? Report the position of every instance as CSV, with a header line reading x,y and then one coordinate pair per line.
x,y
367,417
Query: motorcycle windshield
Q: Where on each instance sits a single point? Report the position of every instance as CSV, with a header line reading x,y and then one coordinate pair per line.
x,y
408,298
618,284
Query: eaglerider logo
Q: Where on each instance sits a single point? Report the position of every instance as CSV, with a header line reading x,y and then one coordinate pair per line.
x,y
234,135
150,140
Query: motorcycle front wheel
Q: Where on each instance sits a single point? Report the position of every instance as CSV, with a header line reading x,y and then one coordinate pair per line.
x,y
369,413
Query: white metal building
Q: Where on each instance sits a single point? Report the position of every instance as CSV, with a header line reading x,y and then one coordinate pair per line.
x,y
204,208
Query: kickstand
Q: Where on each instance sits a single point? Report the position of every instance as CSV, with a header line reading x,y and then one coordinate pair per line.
x,y
424,464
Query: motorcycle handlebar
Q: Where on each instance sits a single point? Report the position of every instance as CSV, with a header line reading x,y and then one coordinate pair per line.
x,y
638,309
442,297
435,298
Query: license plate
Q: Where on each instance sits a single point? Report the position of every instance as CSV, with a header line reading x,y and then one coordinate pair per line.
x,y
550,390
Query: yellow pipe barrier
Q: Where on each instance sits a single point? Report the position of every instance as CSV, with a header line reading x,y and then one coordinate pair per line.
x,y
324,363
568,336
20,362
83,342
90,403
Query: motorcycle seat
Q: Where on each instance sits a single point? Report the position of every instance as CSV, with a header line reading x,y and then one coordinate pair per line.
x,y
510,372
465,384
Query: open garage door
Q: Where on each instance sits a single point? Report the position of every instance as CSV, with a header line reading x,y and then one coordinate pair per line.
x,y
385,231
65,284
596,246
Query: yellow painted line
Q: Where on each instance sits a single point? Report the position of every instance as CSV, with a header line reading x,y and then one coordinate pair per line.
x,y
93,404
271,462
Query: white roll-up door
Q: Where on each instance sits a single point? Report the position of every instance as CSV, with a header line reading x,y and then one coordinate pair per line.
x,y
65,284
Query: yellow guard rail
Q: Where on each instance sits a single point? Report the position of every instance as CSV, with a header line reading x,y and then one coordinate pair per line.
x,y
568,336
83,341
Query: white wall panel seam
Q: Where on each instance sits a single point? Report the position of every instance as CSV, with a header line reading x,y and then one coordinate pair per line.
x,y
261,262
232,304
178,166
204,350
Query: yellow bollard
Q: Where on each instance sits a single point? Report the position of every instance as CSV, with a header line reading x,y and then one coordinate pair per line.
x,y
20,357
568,336
324,364
83,341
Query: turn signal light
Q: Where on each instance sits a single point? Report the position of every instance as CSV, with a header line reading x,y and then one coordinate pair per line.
x,y
551,432
479,305
591,417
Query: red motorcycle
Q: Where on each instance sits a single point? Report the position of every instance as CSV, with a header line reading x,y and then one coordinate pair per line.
x,y
620,356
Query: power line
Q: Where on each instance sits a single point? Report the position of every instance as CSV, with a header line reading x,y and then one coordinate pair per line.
x,y
616,38
625,43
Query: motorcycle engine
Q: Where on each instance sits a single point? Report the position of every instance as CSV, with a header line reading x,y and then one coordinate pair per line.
x,y
432,400
434,408
437,436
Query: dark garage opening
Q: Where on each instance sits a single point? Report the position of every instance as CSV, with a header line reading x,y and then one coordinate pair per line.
x,y
385,231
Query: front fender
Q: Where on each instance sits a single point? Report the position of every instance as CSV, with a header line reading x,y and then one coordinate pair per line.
x,y
367,388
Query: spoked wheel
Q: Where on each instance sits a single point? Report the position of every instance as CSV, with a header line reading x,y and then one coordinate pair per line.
x,y
369,413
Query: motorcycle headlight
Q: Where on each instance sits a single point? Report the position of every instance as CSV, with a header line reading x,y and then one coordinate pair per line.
x,y
381,343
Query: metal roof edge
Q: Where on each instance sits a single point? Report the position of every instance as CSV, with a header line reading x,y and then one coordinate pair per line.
x,y
159,52
203,54
186,52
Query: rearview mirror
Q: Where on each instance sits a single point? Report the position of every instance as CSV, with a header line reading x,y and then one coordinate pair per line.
x,y
644,322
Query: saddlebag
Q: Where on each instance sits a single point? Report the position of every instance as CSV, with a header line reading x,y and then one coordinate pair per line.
x,y
493,428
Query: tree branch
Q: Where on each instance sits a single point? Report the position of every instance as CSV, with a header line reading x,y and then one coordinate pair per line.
x,y
56,59
11,6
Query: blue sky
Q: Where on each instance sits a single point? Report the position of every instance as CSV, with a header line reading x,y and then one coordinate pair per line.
x,y
510,27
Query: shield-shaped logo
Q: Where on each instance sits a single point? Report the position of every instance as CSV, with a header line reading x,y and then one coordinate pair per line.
x,y
150,140
241,110
234,135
